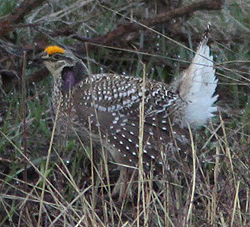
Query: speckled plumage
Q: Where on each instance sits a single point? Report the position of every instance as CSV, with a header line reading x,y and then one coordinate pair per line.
x,y
111,104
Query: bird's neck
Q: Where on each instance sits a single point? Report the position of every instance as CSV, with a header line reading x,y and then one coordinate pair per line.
x,y
57,91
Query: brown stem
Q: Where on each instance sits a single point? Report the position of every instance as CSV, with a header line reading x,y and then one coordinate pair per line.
x,y
127,28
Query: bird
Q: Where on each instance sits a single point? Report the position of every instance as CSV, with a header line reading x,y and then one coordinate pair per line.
x,y
111,109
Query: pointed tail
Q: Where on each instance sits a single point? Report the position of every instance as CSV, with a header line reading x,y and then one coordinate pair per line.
x,y
197,86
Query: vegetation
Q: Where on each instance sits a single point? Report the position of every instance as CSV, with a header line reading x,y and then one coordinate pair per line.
x,y
39,186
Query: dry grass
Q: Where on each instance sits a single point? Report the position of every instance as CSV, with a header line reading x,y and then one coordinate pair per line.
x,y
206,187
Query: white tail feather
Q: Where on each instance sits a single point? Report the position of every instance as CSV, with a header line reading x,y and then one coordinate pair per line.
x,y
197,87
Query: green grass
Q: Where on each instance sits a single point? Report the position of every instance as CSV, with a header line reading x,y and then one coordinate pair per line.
x,y
207,187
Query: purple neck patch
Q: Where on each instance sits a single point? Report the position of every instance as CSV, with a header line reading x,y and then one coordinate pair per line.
x,y
68,79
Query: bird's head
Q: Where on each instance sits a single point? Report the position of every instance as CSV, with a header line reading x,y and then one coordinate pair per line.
x,y
56,59
63,65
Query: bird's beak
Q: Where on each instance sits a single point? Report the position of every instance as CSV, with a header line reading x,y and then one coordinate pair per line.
x,y
40,58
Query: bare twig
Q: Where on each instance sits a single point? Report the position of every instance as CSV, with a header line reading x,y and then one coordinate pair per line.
x,y
127,28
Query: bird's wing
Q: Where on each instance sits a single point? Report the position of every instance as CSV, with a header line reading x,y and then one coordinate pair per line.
x,y
111,103
112,92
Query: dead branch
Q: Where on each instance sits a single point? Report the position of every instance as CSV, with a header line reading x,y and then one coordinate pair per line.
x,y
127,28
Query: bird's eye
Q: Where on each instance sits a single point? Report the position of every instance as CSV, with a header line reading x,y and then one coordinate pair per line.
x,y
56,57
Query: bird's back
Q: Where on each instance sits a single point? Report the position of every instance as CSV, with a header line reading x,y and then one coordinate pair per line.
x,y
108,105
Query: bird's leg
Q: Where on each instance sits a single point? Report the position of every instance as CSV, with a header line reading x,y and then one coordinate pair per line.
x,y
121,184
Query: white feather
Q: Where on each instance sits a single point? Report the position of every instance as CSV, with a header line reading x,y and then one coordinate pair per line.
x,y
197,88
